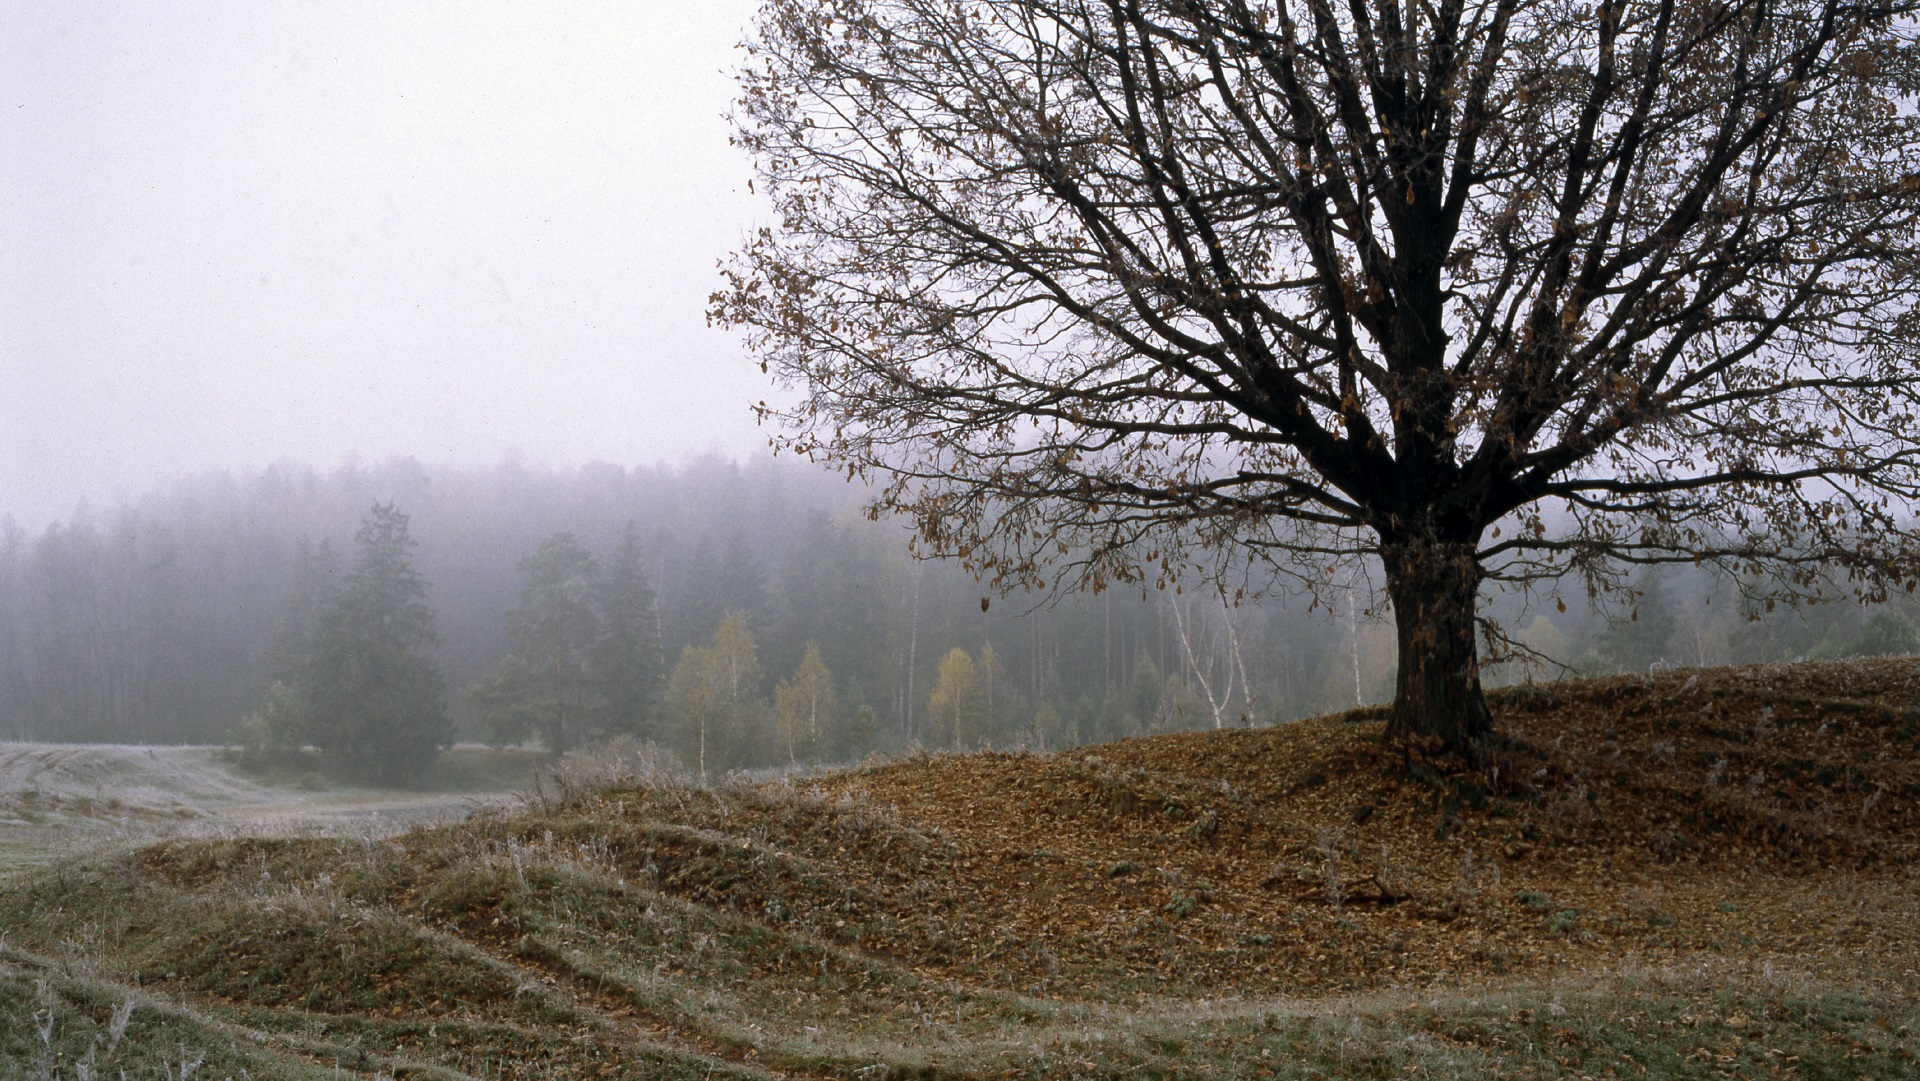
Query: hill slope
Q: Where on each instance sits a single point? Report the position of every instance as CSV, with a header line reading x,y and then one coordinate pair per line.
x,y
1704,873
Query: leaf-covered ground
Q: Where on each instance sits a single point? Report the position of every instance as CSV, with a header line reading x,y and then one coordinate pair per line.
x,y
1692,874
1731,812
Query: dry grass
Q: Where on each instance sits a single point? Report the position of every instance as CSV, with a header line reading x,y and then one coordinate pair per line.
x,y
60,801
1623,895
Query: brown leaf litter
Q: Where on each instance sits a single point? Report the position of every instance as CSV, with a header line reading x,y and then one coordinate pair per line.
x,y
1767,811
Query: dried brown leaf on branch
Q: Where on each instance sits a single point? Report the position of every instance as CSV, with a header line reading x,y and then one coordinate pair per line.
x,y
1493,292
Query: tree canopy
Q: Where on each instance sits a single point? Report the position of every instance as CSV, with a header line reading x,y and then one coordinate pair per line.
x,y
628,663
545,682
714,687
955,708
585,659
804,706
372,690
1466,291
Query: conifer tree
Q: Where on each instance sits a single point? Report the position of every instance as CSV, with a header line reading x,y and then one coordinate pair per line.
x,y
314,583
375,698
283,720
628,664
544,683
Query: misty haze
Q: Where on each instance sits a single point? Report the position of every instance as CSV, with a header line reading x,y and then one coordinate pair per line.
x,y
751,539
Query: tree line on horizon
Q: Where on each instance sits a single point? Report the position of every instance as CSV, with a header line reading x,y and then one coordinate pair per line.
x,y
741,614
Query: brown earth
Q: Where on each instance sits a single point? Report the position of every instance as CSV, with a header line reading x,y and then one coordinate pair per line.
x,y
1714,844
1763,812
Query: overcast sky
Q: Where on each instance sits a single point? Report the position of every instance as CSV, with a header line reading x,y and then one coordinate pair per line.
x,y
234,232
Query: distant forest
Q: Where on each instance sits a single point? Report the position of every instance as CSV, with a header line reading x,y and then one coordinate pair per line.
x,y
155,621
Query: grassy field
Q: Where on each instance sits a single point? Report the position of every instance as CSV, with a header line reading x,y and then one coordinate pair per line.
x,y
1700,874
59,800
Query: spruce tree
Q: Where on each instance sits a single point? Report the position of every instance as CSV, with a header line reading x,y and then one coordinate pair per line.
x,y
315,580
282,721
628,664
375,698
544,683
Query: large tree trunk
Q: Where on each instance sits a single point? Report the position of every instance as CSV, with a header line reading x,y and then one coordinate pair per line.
x,y
1435,587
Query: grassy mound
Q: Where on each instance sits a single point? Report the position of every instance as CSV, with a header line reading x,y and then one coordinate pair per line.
x,y
1693,874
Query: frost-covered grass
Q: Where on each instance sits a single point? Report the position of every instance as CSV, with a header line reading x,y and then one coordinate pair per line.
x,y
59,800
104,780
620,920
662,929
212,990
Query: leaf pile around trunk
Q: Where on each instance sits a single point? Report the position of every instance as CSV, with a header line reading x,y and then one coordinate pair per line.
x,y
1769,809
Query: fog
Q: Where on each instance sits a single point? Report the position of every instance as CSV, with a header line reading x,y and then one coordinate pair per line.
x,y
266,266
237,233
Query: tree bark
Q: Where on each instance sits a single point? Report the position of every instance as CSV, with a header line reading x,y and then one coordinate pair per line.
x,y
1435,586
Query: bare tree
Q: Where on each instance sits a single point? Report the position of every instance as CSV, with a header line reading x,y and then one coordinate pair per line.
x,y
1479,289
1223,653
